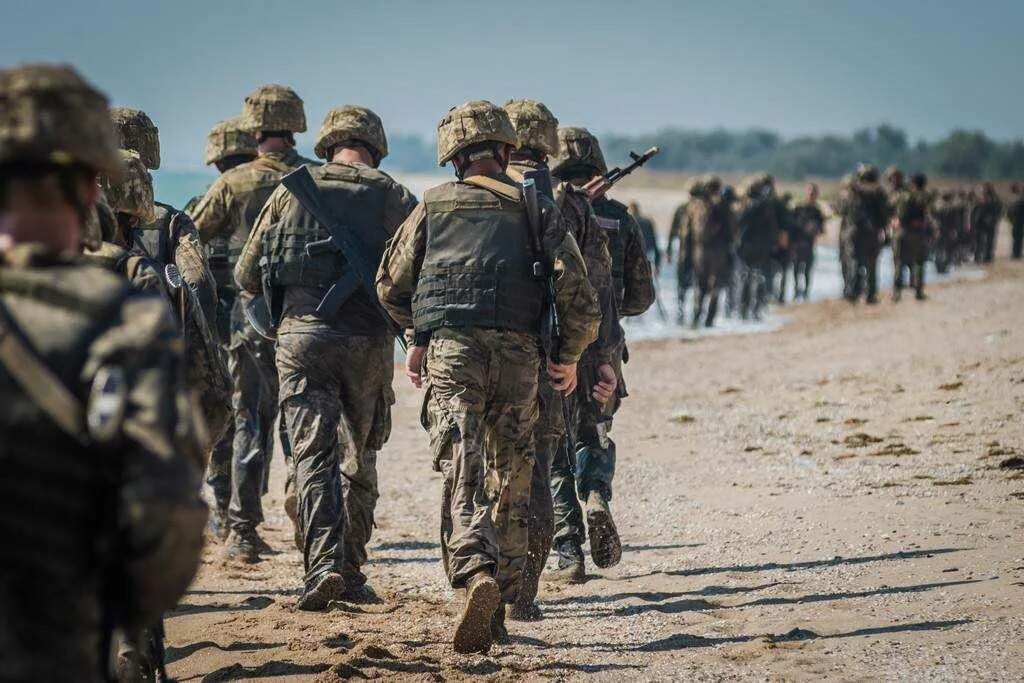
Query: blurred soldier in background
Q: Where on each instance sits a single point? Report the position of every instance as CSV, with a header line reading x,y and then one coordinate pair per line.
x,y
650,236
912,233
710,231
758,236
808,226
948,217
98,448
1015,214
986,212
272,114
677,237
866,212
782,254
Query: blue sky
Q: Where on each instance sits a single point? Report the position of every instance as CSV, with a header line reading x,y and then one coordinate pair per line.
x,y
794,67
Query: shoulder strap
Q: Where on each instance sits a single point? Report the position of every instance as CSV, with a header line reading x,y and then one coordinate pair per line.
x,y
512,193
39,382
273,164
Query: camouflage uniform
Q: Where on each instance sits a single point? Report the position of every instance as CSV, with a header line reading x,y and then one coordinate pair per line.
x,y
676,244
335,369
809,224
912,236
94,405
580,158
710,234
537,131
758,236
866,214
459,272
948,217
985,216
1015,214
224,218
782,253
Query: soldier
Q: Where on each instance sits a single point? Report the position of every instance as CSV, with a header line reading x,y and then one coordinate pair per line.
x,y
224,217
866,213
228,145
758,236
537,135
985,215
841,207
97,446
650,236
710,231
912,233
809,224
579,161
948,218
782,253
460,275
335,359
676,237
1015,214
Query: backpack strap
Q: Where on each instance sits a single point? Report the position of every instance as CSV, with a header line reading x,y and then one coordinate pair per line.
x,y
513,193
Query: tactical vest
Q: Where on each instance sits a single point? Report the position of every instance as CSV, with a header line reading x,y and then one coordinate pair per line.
x,y
611,217
478,269
55,493
354,200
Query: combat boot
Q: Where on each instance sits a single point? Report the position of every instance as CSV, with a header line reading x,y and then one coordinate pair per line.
x,y
320,590
244,545
473,630
499,633
605,546
571,568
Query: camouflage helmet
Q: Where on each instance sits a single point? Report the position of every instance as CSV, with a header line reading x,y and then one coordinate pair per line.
x,y
50,114
751,187
536,127
350,122
894,174
470,123
137,132
134,194
867,173
578,148
228,138
696,188
273,107
712,184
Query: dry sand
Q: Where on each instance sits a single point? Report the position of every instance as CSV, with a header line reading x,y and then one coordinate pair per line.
x,y
841,498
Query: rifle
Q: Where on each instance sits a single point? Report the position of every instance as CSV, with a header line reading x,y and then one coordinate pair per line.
x,y
361,270
601,184
551,328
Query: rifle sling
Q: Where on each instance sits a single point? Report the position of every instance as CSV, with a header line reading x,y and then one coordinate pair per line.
x,y
38,382
512,193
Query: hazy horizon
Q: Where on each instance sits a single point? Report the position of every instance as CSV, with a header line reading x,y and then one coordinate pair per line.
x,y
789,67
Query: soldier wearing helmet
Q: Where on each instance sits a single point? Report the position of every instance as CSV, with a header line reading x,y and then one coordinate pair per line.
x,y
89,376
710,231
676,245
272,114
758,236
537,134
948,217
463,275
335,367
912,231
986,212
1015,215
809,224
579,160
865,212
228,144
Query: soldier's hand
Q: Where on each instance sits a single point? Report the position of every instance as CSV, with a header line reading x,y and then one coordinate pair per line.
x,y
563,377
606,384
414,365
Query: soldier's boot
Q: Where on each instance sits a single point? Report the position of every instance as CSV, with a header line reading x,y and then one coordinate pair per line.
x,y
499,632
605,545
571,568
244,544
320,590
473,630
219,526
356,588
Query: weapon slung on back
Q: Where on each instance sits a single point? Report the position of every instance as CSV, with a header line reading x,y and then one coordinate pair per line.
x,y
602,183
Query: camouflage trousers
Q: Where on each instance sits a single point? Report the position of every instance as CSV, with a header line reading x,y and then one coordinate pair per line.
x,y
336,399
909,252
218,470
592,466
480,410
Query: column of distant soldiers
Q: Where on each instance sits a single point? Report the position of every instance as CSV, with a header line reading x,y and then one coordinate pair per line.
x,y
140,342
752,242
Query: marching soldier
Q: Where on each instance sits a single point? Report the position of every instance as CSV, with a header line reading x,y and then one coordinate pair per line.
x,y
465,273
809,225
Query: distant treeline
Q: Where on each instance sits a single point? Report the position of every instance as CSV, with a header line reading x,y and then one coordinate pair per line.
x,y
961,154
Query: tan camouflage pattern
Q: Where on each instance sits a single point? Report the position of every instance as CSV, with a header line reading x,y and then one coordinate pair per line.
x,y
470,123
536,127
578,148
273,107
137,132
480,410
228,138
49,113
351,122
134,194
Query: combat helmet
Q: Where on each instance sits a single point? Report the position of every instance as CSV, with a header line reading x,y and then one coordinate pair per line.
x,y
137,132
350,122
226,139
751,187
867,173
696,188
273,107
712,184
470,123
578,149
894,175
134,194
50,114
536,127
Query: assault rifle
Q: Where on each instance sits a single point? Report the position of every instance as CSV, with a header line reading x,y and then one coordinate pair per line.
x,y
361,266
602,183
551,327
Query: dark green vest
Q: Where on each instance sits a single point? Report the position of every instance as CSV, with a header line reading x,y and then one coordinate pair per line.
x,y
612,217
478,270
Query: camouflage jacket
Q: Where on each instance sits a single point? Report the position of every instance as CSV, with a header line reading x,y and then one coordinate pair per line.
x,y
809,221
582,224
300,306
575,298
710,225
